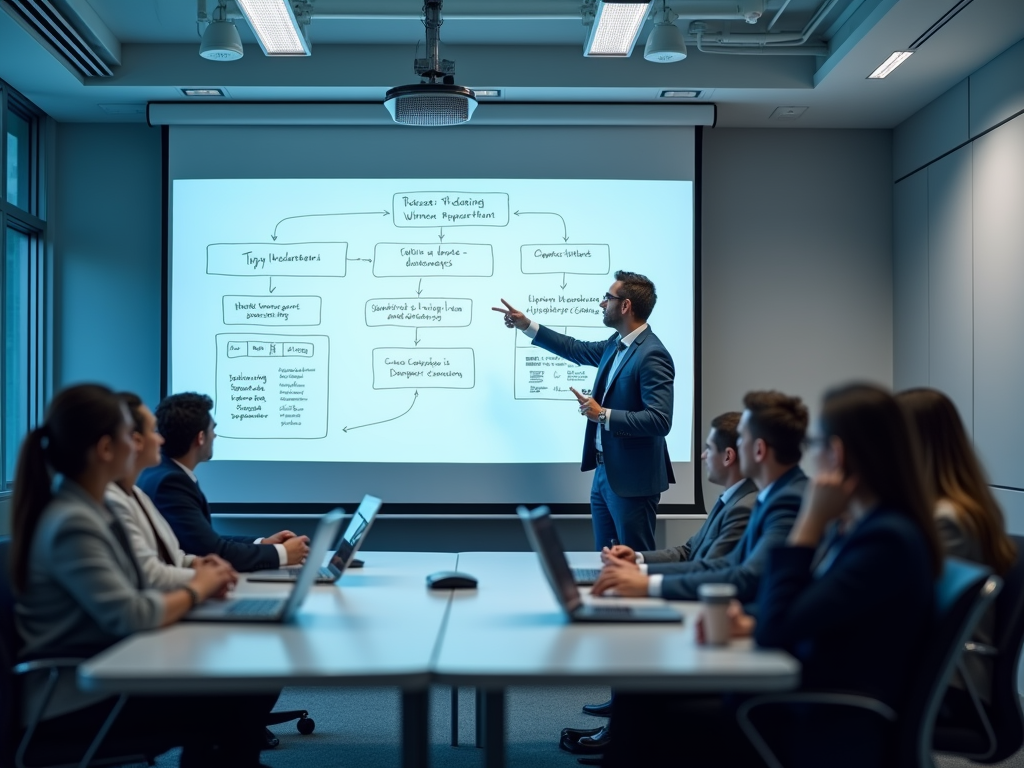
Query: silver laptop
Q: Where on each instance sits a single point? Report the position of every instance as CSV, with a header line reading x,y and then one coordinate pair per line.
x,y
540,530
276,609
354,535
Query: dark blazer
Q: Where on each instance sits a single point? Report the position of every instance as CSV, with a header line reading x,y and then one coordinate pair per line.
x,y
640,396
770,523
183,504
721,531
855,626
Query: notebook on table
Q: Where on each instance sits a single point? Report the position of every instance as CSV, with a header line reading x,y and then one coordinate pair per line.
x,y
540,530
353,537
276,609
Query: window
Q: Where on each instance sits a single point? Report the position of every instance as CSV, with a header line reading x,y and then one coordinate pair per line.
x,y
22,277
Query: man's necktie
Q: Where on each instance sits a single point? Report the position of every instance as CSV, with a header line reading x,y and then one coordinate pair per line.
x,y
717,506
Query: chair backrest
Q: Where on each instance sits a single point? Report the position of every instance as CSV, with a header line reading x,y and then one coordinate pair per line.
x,y
8,655
962,593
1005,713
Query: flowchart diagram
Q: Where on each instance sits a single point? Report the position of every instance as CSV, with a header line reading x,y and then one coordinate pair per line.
x,y
336,325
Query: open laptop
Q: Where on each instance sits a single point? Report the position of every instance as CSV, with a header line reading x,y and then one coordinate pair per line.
x,y
275,609
540,530
585,575
354,535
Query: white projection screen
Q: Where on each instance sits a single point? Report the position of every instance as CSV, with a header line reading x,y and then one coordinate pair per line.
x,y
331,289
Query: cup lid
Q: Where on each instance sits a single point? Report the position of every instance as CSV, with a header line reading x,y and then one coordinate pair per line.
x,y
717,590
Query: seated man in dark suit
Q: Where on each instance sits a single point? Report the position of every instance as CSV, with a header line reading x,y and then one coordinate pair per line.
x,y
186,425
771,433
727,519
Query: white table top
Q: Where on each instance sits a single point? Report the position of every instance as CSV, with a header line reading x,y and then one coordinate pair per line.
x,y
511,631
378,625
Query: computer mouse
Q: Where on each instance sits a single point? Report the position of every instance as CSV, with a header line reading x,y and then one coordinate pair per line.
x,y
356,563
451,580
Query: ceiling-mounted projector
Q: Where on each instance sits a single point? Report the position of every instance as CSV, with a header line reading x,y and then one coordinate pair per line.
x,y
431,102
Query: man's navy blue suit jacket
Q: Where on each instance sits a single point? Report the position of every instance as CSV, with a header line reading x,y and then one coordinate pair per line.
x,y
640,397
180,500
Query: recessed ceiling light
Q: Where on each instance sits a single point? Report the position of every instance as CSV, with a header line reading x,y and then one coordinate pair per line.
x,y
679,94
202,91
787,113
897,58
487,94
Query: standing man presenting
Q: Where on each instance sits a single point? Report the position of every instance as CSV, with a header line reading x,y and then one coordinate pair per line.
x,y
628,414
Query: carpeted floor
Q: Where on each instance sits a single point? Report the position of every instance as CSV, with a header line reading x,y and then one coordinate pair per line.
x,y
360,728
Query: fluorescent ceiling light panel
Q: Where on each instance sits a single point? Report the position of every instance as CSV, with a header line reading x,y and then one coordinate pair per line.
x,y
275,26
616,27
680,94
202,91
890,64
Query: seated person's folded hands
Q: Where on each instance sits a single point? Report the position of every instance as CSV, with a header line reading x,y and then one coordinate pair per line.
x,y
621,578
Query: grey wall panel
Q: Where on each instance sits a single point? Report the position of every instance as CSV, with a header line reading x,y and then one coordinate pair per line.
x,y
999,311
910,282
931,131
1012,503
108,256
950,279
796,267
997,90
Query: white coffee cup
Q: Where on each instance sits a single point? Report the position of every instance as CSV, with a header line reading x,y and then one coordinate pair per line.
x,y
716,599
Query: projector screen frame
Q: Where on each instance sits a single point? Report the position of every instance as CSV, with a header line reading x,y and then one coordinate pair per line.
x,y
455,509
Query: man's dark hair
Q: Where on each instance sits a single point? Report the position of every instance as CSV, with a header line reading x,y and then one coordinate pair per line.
x,y
726,430
779,420
640,292
180,418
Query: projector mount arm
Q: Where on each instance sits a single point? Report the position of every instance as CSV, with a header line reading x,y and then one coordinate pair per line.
x,y
432,67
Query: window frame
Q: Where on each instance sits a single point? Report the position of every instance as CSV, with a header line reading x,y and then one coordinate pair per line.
x,y
31,222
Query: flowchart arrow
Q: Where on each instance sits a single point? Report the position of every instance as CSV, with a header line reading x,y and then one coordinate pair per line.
x,y
271,285
565,232
563,281
441,235
415,395
419,287
366,260
318,215
416,340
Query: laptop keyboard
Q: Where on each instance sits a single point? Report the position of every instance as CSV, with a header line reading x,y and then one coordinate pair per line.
x,y
254,607
611,610
580,573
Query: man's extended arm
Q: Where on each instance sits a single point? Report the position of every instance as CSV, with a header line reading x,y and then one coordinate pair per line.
x,y
181,506
579,352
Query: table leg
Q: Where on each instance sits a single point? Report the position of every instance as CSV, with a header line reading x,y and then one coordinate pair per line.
x,y
493,728
455,715
478,716
415,739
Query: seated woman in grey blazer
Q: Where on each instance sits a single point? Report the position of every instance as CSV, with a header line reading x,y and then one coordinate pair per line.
x,y
969,520
78,590
165,565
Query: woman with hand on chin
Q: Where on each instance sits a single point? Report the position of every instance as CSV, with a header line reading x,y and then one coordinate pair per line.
x,y
79,590
165,565
850,595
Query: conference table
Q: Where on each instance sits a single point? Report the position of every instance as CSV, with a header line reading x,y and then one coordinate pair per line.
x,y
381,626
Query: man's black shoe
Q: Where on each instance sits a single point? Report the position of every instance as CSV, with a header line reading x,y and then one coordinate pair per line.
x,y
592,744
570,737
598,710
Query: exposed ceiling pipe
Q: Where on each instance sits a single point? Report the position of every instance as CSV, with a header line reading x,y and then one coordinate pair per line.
x,y
792,43
762,50
778,13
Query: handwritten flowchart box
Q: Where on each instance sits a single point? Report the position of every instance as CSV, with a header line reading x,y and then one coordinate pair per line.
x,y
272,387
419,368
575,259
277,259
433,260
450,209
419,313
272,310
542,375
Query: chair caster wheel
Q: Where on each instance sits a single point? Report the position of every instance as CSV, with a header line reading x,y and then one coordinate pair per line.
x,y
269,739
305,725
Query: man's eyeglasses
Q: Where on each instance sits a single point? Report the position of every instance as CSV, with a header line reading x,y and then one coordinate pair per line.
x,y
609,297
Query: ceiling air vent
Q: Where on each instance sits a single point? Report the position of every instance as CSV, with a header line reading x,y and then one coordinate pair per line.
x,y
45,22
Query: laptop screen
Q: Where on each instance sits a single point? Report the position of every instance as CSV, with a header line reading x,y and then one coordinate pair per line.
x,y
540,530
357,528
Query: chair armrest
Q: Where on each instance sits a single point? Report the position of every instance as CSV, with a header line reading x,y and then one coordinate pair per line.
x,y
981,649
854,700
33,666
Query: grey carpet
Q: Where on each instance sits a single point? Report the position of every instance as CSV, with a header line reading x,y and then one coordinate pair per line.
x,y
361,728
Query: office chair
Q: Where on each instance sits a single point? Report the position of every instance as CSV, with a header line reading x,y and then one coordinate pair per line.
x,y
998,731
13,750
962,594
